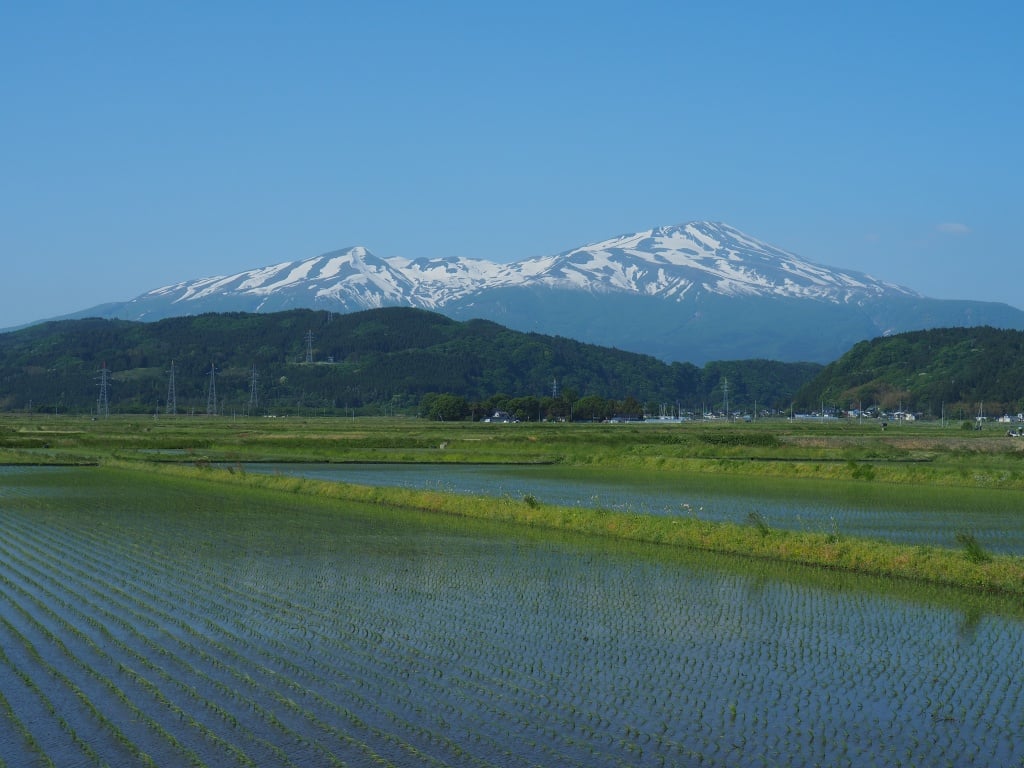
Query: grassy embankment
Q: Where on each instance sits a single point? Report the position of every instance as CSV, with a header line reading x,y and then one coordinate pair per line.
x,y
969,568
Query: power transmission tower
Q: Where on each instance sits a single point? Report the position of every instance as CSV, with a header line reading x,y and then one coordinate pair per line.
x,y
554,389
211,393
172,394
254,397
309,346
725,394
103,404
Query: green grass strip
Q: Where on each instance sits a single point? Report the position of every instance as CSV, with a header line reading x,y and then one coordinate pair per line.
x,y
999,574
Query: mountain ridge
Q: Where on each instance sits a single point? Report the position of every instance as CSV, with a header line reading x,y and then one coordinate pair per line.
x,y
374,360
697,291
664,261
927,371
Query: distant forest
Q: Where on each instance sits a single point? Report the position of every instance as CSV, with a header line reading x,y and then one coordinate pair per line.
x,y
382,361
962,372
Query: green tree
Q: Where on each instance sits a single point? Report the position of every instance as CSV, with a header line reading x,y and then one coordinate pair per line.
x,y
445,407
524,408
631,408
592,408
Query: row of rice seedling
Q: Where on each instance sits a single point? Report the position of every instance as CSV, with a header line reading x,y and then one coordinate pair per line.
x,y
323,651
22,744
300,632
78,713
375,638
80,577
87,615
808,646
72,647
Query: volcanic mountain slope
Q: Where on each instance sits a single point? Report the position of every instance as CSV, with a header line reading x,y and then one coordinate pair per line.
x,y
692,292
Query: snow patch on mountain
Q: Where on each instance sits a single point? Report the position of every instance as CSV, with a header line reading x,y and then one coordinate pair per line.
x,y
673,263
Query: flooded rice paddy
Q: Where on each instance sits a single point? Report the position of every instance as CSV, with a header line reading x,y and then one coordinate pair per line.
x,y
151,621
906,515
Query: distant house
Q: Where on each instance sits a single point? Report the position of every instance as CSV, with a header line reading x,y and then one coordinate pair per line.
x,y
500,417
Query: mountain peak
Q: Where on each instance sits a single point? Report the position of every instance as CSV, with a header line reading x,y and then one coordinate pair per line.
x,y
683,261
675,263
695,290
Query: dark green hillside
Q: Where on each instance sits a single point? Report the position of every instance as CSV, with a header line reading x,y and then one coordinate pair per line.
x,y
955,370
376,361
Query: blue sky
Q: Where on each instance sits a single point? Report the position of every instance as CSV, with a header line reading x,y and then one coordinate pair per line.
x,y
145,143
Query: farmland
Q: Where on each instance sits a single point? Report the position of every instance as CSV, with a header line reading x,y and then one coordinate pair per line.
x,y
159,610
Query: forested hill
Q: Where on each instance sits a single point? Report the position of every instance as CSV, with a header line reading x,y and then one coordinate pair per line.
x,y
947,370
376,361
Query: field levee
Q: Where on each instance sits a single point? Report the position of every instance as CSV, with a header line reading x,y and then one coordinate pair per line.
x,y
969,568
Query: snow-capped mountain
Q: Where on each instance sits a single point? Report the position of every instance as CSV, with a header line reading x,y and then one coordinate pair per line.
x,y
695,292
353,278
673,263
700,257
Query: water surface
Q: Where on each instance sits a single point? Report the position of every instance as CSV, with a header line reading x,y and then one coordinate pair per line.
x,y
139,615
906,515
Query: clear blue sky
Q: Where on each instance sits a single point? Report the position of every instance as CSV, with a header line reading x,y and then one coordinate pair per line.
x,y
143,143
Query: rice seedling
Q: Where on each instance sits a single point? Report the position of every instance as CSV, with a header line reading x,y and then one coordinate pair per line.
x,y
295,626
